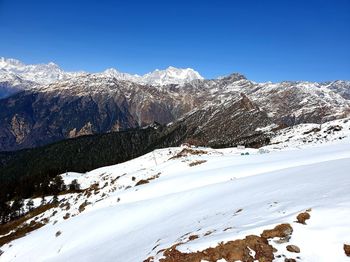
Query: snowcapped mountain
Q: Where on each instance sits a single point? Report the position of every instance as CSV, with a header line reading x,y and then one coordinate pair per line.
x,y
111,72
214,111
49,73
171,75
40,73
289,201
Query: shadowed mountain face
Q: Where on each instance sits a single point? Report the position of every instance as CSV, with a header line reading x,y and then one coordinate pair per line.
x,y
215,112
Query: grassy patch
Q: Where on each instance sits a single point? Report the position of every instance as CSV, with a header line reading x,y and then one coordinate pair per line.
x,y
19,228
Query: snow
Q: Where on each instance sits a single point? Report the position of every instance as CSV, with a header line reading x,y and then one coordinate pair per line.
x,y
307,135
170,75
131,223
39,73
50,73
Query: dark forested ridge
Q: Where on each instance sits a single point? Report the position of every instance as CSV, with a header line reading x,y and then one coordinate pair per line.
x,y
28,173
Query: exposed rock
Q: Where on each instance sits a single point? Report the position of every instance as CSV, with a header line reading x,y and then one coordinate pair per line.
x,y
289,260
302,217
282,231
293,248
19,128
347,250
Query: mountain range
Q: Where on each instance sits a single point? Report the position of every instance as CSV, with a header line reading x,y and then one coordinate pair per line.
x,y
42,104
14,73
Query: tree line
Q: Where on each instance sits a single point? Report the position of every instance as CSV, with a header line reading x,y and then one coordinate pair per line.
x,y
16,207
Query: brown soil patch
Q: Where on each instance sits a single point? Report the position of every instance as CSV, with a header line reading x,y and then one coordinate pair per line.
x,y
347,250
193,237
231,251
196,163
83,205
282,230
145,181
94,188
189,151
19,226
20,232
66,216
8,227
302,217
142,182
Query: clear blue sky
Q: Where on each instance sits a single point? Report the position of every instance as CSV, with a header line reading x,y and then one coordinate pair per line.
x,y
265,40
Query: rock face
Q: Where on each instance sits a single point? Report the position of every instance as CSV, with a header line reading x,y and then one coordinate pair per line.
x,y
302,217
220,112
347,250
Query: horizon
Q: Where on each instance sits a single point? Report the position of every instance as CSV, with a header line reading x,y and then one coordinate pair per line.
x,y
266,42
164,69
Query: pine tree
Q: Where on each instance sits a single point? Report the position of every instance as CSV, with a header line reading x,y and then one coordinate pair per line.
x,y
16,208
74,185
55,199
43,201
30,205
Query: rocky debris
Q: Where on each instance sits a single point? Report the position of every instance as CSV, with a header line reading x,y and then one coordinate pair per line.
x,y
281,231
302,217
231,251
347,250
237,250
293,248
334,129
289,260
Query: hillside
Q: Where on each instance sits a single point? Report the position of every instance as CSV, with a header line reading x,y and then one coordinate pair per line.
x,y
174,203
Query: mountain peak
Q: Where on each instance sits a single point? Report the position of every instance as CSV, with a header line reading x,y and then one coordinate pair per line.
x,y
171,75
234,77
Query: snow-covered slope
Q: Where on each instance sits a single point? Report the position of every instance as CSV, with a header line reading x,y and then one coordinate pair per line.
x,y
195,198
305,135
